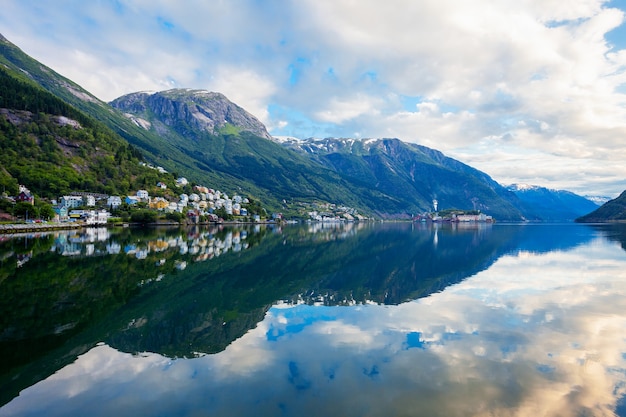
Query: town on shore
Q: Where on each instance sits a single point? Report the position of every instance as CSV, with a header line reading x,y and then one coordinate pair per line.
x,y
201,205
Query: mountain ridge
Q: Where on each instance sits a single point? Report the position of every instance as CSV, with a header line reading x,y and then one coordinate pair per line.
x,y
551,204
210,140
611,211
204,110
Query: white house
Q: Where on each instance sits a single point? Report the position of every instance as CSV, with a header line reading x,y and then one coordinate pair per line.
x,y
181,182
71,201
90,200
114,202
143,194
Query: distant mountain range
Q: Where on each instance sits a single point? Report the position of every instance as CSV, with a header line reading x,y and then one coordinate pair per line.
x,y
552,205
613,210
210,140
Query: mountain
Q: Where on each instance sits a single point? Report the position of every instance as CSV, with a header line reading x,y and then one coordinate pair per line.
x,y
188,111
613,210
412,173
210,140
231,149
598,199
53,149
20,65
550,205
387,177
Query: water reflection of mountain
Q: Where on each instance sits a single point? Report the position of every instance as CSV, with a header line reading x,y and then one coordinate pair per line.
x,y
541,238
184,292
612,231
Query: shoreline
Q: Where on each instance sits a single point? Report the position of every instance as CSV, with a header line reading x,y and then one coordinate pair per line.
x,y
10,228
37,227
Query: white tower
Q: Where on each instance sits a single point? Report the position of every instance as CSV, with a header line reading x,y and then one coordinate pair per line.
x,y
435,205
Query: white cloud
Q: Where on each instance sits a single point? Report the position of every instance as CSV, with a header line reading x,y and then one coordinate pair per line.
x,y
247,88
338,110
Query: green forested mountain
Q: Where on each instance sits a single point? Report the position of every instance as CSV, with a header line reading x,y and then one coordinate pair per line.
x,y
153,147
210,140
613,210
53,148
412,173
230,148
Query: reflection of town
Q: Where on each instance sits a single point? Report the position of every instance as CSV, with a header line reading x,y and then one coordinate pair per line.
x,y
195,244
328,231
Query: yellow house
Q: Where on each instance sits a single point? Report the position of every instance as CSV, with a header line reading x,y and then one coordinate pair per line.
x,y
158,203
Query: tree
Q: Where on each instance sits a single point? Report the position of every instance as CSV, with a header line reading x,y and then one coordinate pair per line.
x,y
46,212
144,216
25,210
175,216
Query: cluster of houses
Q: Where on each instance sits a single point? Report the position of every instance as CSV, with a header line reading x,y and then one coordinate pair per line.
x,y
203,201
93,208
330,213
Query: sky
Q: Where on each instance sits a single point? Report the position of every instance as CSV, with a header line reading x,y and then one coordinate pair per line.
x,y
528,91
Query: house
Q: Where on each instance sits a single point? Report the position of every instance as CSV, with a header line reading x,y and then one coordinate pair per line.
x,y
162,185
114,202
71,201
159,203
97,217
143,195
90,200
78,214
131,200
61,212
25,197
181,182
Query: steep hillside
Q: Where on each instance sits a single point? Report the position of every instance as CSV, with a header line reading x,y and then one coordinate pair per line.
x,y
551,205
155,149
187,111
210,140
53,148
613,210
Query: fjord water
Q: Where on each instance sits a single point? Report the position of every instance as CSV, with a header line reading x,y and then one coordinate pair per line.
x,y
351,320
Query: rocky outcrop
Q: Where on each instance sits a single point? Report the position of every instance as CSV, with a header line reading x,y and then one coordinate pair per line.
x,y
186,109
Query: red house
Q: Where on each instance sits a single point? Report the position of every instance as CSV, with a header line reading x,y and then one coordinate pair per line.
x,y
25,197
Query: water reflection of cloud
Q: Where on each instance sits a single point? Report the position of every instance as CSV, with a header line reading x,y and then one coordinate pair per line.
x,y
534,335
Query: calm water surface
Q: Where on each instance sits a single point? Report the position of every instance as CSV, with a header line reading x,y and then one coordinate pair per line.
x,y
346,320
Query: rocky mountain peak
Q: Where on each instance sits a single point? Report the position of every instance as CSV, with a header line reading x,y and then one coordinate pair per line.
x,y
199,109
